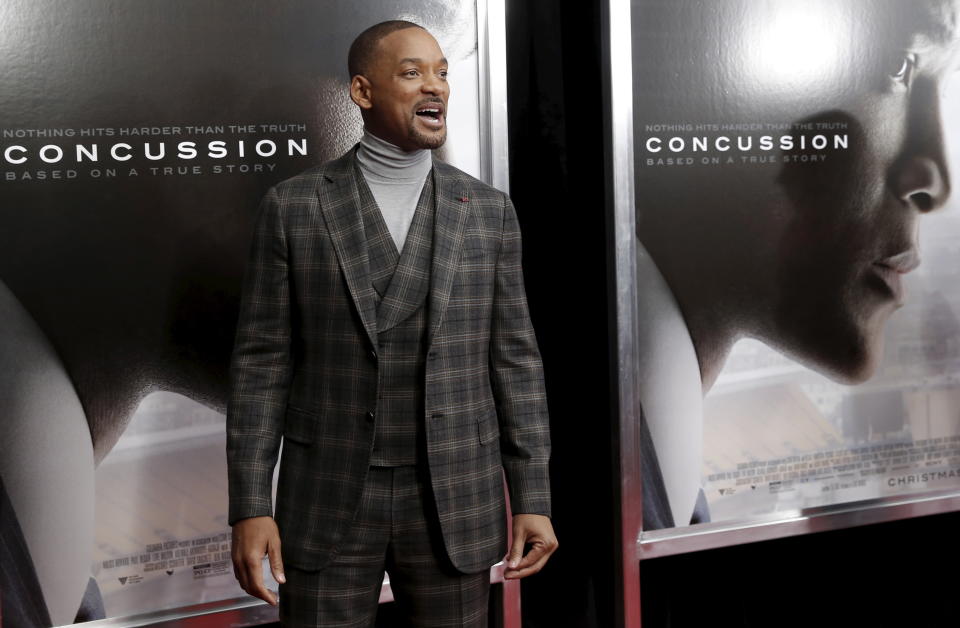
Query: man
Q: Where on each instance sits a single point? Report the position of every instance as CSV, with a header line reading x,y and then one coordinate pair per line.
x,y
803,248
384,335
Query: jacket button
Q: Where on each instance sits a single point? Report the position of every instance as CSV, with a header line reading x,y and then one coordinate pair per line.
x,y
370,415
432,355
373,355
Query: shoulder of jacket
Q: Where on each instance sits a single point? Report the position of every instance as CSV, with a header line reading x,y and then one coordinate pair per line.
x,y
472,185
310,178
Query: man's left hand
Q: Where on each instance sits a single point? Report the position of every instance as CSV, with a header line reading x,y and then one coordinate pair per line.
x,y
536,531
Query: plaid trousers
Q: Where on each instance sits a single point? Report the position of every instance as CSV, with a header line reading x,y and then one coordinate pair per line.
x,y
396,529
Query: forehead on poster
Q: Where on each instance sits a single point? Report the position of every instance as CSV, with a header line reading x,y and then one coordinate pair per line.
x,y
780,185
777,52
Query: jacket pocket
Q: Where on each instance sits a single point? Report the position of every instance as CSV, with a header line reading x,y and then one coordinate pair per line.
x,y
488,427
299,425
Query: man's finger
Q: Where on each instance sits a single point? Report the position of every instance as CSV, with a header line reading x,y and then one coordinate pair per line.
x,y
254,568
517,574
516,551
276,560
536,554
533,562
239,572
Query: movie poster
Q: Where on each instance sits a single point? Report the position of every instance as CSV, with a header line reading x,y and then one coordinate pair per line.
x,y
136,140
798,253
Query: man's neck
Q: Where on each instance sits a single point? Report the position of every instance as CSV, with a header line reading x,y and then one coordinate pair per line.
x,y
382,161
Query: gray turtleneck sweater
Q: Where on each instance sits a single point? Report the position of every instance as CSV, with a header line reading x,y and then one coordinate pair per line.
x,y
396,180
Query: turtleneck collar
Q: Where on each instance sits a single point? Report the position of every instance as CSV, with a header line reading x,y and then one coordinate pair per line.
x,y
380,160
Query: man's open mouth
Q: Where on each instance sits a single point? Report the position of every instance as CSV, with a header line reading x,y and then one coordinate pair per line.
x,y
430,113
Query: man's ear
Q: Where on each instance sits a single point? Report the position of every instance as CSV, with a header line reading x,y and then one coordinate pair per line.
x,y
360,92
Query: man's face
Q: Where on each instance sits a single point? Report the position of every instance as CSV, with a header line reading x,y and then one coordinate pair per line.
x,y
406,101
807,256
851,230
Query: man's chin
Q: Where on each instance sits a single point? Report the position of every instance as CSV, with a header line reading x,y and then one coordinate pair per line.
x,y
854,373
429,141
844,351
845,344
433,143
848,363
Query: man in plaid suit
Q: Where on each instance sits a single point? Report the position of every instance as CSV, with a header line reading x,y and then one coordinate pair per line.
x,y
388,343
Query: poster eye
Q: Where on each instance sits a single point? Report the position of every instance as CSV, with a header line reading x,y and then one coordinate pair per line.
x,y
902,66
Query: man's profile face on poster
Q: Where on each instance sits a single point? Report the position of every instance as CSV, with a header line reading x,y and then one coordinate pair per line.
x,y
852,228
807,253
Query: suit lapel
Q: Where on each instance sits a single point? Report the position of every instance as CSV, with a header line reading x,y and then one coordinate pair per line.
x,y
340,206
382,254
453,208
410,282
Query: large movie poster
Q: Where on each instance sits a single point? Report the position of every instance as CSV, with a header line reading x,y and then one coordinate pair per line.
x,y
136,140
799,253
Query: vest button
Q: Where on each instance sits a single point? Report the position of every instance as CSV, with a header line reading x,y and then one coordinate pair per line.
x,y
370,416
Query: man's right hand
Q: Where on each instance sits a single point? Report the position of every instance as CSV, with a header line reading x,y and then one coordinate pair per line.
x,y
253,539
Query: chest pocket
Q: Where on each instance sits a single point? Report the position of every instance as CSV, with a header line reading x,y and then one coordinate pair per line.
x,y
488,428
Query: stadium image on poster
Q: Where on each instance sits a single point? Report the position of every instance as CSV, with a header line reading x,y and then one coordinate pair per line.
x,y
798,253
136,141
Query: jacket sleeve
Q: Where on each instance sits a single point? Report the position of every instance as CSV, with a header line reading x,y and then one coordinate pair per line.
x,y
517,381
260,368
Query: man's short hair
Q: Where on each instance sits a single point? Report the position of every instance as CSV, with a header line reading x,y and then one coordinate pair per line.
x,y
363,48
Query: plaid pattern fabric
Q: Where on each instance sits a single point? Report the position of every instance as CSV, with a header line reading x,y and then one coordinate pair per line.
x,y
401,280
401,283
392,531
382,253
305,369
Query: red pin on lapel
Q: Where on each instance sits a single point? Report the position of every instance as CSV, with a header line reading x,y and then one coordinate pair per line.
x,y
464,199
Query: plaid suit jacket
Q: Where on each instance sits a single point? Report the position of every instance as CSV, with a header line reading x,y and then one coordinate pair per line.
x,y
305,368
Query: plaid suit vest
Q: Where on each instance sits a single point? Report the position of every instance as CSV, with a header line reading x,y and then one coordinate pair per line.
x,y
401,284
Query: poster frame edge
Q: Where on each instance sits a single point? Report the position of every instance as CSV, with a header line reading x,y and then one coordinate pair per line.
x,y
616,38
707,536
